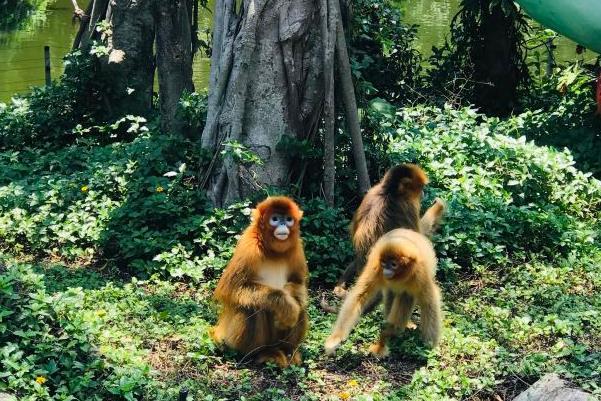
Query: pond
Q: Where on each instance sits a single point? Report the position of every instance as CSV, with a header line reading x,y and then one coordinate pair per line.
x,y
434,18
22,51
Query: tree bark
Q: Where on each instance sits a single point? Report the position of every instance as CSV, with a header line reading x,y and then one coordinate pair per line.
x,y
350,106
128,70
174,59
271,77
264,85
130,64
329,21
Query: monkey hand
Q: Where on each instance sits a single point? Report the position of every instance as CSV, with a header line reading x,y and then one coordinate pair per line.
x,y
333,342
287,317
340,291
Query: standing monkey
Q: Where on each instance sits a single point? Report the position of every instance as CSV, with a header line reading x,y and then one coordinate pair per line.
x,y
394,202
263,289
402,264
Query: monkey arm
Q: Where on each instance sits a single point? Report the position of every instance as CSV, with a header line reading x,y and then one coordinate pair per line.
x,y
259,296
298,291
237,287
350,312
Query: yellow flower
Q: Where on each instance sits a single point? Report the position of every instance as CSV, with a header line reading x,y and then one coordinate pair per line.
x,y
352,383
41,379
160,189
84,188
344,395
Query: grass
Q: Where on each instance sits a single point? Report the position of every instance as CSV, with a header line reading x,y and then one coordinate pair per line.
x,y
106,292
502,331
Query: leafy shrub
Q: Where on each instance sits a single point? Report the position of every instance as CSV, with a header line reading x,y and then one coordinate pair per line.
x,y
326,239
17,14
508,198
46,116
562,114
383,60
46,346
192,109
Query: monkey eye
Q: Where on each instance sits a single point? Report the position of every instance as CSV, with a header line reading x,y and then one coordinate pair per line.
x,y
289,221
273,220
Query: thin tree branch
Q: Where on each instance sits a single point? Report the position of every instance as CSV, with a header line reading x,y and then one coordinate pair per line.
x,y
329,22
350,106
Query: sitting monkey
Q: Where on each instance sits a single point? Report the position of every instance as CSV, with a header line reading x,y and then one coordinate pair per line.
x,y
263,289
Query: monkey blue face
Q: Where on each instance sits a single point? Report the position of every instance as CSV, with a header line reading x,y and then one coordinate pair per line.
x,y
396,266
389,267
282,223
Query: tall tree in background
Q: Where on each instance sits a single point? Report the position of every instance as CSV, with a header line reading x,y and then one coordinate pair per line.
x,y
130,30
272,76
484,62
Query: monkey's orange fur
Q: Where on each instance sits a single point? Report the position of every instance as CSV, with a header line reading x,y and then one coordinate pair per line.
x,y
413,282
263,289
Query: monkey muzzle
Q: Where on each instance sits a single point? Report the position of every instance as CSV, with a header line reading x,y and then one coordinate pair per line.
x,y
389,268
281,232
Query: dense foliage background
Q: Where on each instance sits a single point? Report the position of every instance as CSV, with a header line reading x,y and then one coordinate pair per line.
x,y
109,249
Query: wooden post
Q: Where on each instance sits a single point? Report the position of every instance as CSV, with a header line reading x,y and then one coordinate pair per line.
x,y
47,65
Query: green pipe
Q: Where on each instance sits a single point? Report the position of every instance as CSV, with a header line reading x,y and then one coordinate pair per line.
x,y
579,20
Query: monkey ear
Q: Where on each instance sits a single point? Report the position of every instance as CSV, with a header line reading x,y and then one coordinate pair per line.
x,y
255,214
300,214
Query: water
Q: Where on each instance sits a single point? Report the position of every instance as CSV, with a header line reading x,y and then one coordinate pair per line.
x,y
22,54
22,51
434,18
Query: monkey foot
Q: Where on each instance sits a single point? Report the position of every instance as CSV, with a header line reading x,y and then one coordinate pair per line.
x,y
296,358
276,357
332,344
217,336
411,325
340,291
380,350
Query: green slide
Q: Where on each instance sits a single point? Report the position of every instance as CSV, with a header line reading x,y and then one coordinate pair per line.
x,y
579,20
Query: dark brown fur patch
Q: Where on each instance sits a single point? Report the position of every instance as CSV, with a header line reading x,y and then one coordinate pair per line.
x,y
393,203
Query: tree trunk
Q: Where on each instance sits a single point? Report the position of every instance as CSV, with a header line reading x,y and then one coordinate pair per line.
x,y
350,107
130,64
329,21
268,80
495,61
128,70
174,59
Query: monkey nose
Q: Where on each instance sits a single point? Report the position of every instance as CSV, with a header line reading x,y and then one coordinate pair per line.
x,y
281,232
